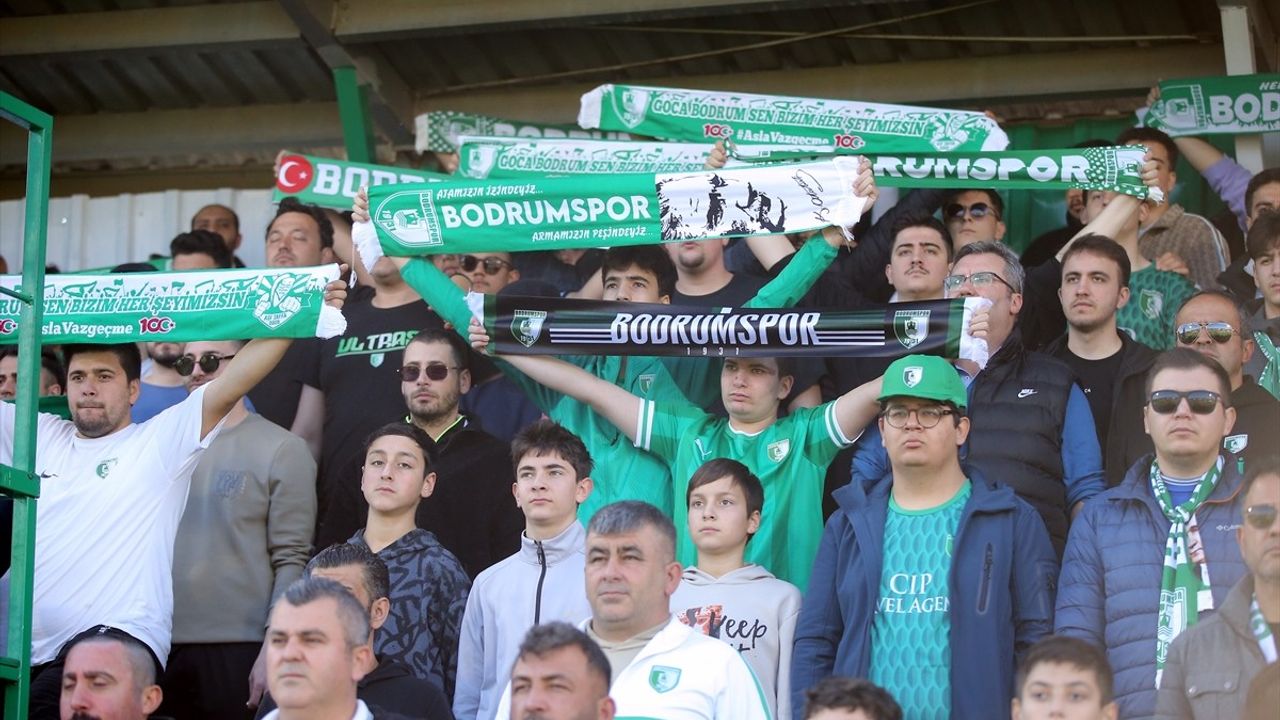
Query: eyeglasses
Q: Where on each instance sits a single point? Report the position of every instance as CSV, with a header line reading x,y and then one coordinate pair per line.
x,y
492,265
433,371
208,362
978,280
977,211
1201,402
1219,332
1260,517
928,416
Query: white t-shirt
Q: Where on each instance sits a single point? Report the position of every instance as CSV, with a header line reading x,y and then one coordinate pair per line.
x,y
106,521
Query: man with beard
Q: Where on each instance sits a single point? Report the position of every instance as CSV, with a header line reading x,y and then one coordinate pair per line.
x,y
161,385
111,496
471,510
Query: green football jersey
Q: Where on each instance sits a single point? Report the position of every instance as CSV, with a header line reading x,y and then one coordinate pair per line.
x,y
790,457
911,628
1154,299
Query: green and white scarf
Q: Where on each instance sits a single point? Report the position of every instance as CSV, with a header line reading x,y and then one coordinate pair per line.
x,y
1185,590
555,326
1117,168
334,183
1269,378
506,158
438,131
1230,105
1262,632
179,306
841,126
595,211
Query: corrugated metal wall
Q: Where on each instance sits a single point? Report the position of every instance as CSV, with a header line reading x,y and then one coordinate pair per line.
x,y
96,232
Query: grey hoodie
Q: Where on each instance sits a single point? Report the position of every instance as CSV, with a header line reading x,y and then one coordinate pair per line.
x,y
542,582
755,613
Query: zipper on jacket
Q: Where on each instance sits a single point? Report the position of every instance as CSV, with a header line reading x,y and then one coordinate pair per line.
x,y
542,575
986,580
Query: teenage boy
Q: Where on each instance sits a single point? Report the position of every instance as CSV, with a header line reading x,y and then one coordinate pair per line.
x,y
428,585
540,583
726,597
1065,678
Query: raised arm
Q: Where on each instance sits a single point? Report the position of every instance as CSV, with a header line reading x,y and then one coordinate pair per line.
x,y
858,408
612,402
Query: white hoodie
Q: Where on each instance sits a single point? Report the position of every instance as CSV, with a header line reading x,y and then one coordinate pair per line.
x,y
755,613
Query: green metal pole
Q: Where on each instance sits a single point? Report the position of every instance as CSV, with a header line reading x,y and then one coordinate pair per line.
x,y
19,480
353,110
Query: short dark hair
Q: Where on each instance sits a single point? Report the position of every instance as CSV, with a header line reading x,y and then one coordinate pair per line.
x,y
993,199
545,437
49,361
142,660
377,578
407,430
1075,652
204,242
1268,464
457,346
1104,247
650,258
1184,358
1225,297
627,516
1264,234
354,619
1145,136
925,220
546,638
1014,273
713,470
852,694
294,205
1266,177
235,219
127,353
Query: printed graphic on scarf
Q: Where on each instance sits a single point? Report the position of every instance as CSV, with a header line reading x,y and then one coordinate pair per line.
x,y
334,183
503,158
439,131
840,126
1217,105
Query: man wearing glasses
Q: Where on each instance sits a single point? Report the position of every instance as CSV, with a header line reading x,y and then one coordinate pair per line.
x,y
930,581
1149,557
245,536
1211,323
471,510
1210,665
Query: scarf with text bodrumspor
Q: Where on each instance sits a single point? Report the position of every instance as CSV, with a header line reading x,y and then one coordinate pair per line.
x,y
1231,105
1262,632
1116,168
596,211
555,326
1184,584
438,130
841,126
334,183
180,306
504,158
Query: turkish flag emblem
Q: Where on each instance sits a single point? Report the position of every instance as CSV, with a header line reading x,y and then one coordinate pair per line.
x,y
295,174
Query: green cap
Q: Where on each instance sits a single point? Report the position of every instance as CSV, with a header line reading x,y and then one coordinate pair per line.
x,y
924,376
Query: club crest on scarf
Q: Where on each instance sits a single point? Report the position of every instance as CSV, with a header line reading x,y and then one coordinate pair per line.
x,y
526,326
911,327
632,104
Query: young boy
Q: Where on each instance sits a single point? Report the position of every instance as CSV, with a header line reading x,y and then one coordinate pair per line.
x,y
542,582
725,597
1065,678
428,585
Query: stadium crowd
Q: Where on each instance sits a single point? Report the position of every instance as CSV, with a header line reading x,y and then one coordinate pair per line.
x,y
399,522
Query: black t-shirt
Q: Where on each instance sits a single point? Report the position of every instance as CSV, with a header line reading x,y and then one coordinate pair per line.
x,y
357,374
1097,378
275,397
740,289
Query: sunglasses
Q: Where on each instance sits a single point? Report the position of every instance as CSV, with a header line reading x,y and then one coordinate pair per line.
x,y
1201,402
433,371
977,211
208,362
1219,332
1260,517
492,265
978,280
